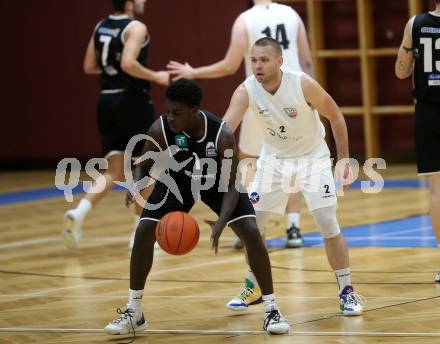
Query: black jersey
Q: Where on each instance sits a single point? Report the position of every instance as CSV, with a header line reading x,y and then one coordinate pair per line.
x,y
426,41
109,43
202,153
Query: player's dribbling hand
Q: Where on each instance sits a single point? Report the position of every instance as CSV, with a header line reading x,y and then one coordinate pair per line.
x,y
181,71
217,230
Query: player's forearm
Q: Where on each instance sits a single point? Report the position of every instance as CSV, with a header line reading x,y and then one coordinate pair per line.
x,y
215,70
136,70
95,70
403,69
339,129
230,200
307,68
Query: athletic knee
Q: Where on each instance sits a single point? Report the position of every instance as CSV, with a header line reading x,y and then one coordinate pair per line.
x,y
327,222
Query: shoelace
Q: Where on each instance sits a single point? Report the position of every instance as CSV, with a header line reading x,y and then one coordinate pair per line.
x,y
273,315
126,314
355,299
294,232
246,292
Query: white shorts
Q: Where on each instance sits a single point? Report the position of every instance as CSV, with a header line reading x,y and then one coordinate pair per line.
x,y
251,135
277,178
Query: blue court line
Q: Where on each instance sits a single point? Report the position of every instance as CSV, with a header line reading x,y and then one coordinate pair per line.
x,y
51,192
414,231
40,194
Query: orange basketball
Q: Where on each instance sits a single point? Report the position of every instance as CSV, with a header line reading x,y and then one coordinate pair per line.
x,y
177,233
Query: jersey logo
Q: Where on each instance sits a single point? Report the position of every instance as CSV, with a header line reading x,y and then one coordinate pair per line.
x,y
263,112
210,150
254,197
291,112
181,141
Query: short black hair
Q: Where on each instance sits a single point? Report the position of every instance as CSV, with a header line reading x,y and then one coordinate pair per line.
x,y
266,41
119,5
184,91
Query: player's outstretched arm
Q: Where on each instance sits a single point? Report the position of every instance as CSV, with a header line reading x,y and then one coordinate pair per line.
x,y
237,108
405,57
320,100
228,66
134,39
304,53
227,150
90,64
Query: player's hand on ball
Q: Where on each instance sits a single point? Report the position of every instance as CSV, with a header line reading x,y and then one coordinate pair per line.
x,y
217,230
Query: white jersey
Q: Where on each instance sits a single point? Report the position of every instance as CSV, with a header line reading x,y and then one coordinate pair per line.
x,y
277,21
290,127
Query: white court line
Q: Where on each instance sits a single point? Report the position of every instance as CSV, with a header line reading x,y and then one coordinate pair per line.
x,y
205,297
155,273
43,292
352,239
381,236
30,242
57,238
227,332
49,239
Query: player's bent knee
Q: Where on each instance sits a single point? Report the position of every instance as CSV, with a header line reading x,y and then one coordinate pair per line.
x,y
327,222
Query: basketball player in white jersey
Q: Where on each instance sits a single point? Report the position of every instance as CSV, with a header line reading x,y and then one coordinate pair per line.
x,y
286,105
284,24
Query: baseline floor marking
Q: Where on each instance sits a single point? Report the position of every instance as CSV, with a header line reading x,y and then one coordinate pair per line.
x,y
57,238
154,273
226,332
86,285
105,297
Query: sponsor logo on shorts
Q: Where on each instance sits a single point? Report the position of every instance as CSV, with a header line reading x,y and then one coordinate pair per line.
x,y
181,141
254,197
291,112
210,150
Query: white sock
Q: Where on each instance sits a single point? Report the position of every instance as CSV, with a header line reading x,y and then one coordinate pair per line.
x,y
82,209
269,302
251,277
343,277
293,219
135,299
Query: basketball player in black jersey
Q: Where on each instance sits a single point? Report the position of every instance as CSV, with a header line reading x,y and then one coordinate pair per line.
x,y
196,136
117,51
419,56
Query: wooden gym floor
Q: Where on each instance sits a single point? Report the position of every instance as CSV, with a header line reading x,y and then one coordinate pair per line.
x,y
51,295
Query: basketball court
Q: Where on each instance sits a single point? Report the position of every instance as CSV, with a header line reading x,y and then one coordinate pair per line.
x,y
52,295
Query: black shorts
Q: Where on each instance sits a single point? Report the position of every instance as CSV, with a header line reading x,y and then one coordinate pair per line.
x,y
120,117
427,133
213,200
